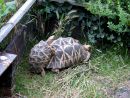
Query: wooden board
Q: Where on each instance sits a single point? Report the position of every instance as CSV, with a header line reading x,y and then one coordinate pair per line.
x,y
5,61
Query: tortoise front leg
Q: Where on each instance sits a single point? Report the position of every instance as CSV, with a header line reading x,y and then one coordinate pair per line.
x,y
43,71
50,39
55,70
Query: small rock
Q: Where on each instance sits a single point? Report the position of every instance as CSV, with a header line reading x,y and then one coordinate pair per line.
x,y
123,91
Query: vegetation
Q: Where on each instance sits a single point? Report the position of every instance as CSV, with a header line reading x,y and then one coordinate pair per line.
x,y
117,13
98,79
98,22
5,10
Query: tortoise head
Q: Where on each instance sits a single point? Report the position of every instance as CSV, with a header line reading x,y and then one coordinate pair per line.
x,y
86,52
87,47
50,39
35,68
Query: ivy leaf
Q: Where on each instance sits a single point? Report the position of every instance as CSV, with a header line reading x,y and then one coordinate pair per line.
x,y
94,27
119,39
47,9
89,24
11,5
111,37
102,35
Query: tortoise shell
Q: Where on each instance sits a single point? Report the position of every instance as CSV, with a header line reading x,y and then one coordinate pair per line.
x,y
68,51
64,41
39,56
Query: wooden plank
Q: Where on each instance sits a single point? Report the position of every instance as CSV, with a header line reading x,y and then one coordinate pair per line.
x,y
7,83
17,47
5,60
5,30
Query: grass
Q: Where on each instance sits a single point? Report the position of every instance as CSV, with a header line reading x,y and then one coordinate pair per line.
x,y
97,79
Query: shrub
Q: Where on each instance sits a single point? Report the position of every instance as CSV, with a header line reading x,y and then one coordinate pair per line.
x,y
98,20
5,10
117,13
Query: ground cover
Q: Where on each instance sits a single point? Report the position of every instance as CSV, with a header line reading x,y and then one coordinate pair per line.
x,y
99,78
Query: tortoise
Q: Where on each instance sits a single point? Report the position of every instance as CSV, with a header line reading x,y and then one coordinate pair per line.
x,y
40,56
68,51
56,54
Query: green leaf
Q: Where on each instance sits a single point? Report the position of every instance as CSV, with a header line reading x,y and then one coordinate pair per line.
x,y
111,37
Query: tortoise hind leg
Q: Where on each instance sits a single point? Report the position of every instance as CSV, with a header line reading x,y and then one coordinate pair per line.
x,y
43,73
